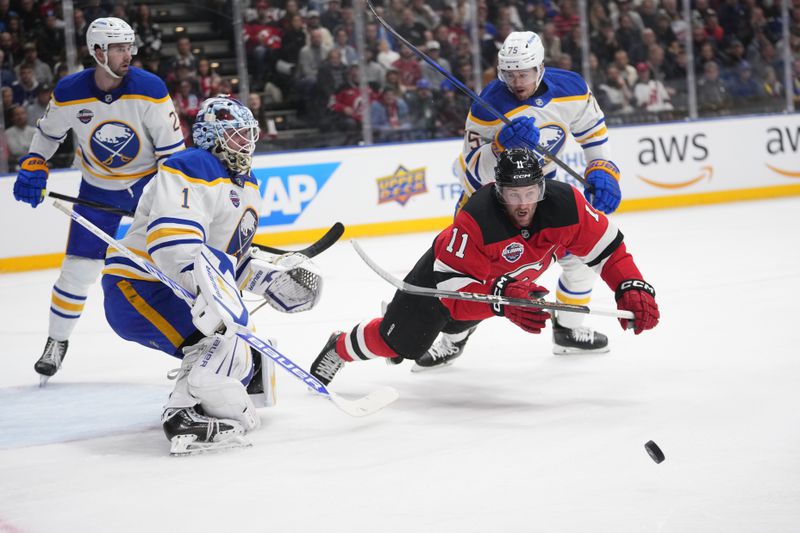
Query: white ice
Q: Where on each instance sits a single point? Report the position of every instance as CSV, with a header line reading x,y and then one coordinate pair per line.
x,y
510,438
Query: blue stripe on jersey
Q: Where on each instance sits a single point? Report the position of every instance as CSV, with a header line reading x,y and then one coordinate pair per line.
x,y
563,288
173,220
170,147
125,262
81,85
598,143
172,243
584,132
68,295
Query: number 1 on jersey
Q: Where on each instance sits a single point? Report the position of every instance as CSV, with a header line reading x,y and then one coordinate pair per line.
x,y
185,203
460,252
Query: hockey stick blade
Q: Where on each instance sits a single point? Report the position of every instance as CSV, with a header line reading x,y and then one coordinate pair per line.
x,y
366,406
316,248
486,298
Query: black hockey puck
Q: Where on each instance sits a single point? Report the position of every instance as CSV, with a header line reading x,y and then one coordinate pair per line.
x,y
654,451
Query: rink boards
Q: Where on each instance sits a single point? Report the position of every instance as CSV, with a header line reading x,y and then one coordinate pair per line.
x,y
388,189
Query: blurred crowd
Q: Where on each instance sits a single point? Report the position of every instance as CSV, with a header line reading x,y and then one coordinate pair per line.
x,y
302,56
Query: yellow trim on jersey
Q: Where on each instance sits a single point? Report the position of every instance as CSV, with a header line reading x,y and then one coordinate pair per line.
x,y
152,316
74,102
571,98
119,272
143,97
170,232
497,121
66,305
600,132
201,181
563,298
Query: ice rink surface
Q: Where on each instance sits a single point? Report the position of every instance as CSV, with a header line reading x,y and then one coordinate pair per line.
x,y
509,439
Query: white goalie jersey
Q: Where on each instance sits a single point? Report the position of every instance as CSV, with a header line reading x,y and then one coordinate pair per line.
x,y
191,202
565,107
121,135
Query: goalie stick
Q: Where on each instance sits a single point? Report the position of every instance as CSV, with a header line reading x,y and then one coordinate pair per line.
x,y
487,298
366,405
320,245
475,98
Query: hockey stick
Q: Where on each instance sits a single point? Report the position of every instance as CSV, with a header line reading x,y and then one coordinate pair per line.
x,y
315,248
486,298
366,405
475,98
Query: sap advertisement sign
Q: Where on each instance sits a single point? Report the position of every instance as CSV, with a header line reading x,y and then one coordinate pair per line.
x,y
287,191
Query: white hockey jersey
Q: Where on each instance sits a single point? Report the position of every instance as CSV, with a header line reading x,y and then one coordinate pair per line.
x,y
190,202
562,105
121,135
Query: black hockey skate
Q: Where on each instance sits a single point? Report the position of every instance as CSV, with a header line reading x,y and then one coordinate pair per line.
x,y
51,359
442,353
328,362
578,340
190,431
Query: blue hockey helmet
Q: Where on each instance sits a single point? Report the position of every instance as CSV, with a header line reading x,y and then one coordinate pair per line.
x,y
226,128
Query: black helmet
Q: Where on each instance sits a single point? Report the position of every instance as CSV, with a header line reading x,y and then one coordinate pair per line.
x,y
518,167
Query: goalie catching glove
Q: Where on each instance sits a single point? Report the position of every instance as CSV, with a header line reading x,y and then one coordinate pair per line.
x,y
290,282
530,319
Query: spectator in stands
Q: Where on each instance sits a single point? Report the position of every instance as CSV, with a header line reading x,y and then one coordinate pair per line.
x,y
7,95
598,16
308,63
349,23
663,30
451,108
347,107
19,135
263,42
375,74
628,35
81,25
331,18
37,108
148,33
207,78
332,74
349,55
410,28
10,50
389,115
551,42
291,8
7,76
184,55
5,13
606,43
624,9
639,50
571,46
386,56
50,39
650,94
25,86
255,105
409,69
425,15
742,87
712,95
392,81
187,101
626,70
41,70
648,12
313,24
615,96
433,49
567,19
564,62
707,54
60,70
422,110
712,28
772,87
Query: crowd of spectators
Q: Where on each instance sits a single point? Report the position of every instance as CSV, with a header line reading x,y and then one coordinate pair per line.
x,y
301,55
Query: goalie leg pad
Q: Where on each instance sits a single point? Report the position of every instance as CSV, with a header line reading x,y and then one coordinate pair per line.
x,y
218,377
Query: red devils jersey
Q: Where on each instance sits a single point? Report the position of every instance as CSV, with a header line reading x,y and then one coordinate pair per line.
x,y
483,244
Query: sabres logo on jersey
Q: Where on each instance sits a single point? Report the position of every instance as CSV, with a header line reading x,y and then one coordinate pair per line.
x,y
243,234
552,137
114,144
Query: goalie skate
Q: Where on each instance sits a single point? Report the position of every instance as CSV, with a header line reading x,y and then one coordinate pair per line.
x,y
51,359
443,352
191,432
580,340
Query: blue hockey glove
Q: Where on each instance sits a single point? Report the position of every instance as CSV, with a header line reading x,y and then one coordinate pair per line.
x,y
31,179
604,177
520,133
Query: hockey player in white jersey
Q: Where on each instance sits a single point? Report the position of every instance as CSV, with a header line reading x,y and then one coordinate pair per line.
x,y
198,216
124,122
545,106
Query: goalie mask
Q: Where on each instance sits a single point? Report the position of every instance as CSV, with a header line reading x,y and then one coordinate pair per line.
x,y
520,63
518,178
227,129
105,31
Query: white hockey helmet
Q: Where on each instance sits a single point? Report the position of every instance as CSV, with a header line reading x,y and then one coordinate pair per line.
x,y
105,31
522,50
226,128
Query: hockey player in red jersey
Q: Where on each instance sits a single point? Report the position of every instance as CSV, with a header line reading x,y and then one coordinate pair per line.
x,y
504,238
